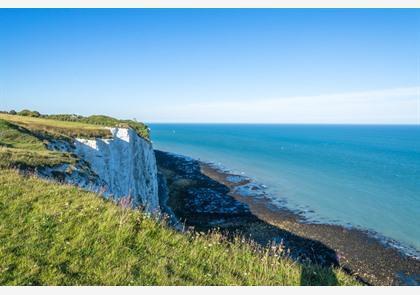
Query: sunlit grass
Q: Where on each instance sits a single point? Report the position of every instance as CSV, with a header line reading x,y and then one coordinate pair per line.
x,y
13,158
52,234
58,128
19,147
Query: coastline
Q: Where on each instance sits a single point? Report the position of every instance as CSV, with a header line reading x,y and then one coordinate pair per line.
x,y
205,197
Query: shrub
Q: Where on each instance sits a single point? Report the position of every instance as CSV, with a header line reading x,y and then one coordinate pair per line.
x,y
29,113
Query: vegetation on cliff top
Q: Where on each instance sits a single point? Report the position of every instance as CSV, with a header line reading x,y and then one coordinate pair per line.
x,y
24,135
56,128
20,147
54,234
86,126
102,120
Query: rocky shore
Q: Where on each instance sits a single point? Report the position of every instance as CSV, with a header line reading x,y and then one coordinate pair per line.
x,y
203,197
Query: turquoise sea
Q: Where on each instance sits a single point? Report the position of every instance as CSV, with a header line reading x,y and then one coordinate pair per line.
x,y
363,176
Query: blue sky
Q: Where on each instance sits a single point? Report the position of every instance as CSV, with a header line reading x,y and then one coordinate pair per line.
x,y
214,65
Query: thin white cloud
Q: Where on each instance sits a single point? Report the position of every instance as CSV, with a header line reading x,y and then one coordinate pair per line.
x,y
396,105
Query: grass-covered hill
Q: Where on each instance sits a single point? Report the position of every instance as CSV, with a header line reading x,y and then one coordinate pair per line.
x,y
54,234
73,125
57,234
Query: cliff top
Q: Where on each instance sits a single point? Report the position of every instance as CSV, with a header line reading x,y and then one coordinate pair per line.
x,y
72,125
24,136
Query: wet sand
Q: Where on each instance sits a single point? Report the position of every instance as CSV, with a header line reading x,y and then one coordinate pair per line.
x,y
205,198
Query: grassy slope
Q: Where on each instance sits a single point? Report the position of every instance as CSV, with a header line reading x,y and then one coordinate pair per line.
x,y
54,234
20,147
57,128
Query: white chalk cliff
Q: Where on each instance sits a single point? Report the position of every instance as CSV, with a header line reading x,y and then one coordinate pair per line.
x,y
126,164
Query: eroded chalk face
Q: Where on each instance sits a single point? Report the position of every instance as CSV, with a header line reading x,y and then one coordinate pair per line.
x,y
126,164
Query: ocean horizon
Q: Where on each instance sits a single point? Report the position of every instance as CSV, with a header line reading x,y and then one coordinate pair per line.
x,y
363,176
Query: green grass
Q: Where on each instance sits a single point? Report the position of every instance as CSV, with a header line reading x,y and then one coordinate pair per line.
x,y
56,128
139,127
73,125
20,147
18,158
14,136
52,234
23,138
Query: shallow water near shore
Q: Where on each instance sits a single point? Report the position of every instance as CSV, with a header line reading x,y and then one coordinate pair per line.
x,y
360,176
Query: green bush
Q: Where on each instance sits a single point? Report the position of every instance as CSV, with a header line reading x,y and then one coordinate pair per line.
x,y
29,113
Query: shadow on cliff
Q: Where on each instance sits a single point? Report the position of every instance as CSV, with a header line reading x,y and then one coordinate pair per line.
x,y
204,205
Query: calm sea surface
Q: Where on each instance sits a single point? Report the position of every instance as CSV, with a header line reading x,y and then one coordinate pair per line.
x,y
363,176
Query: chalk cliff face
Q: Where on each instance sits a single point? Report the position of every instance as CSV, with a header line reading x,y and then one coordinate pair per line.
x,y
125,165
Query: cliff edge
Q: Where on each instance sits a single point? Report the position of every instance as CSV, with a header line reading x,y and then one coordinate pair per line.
x,y
126,164
114,161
